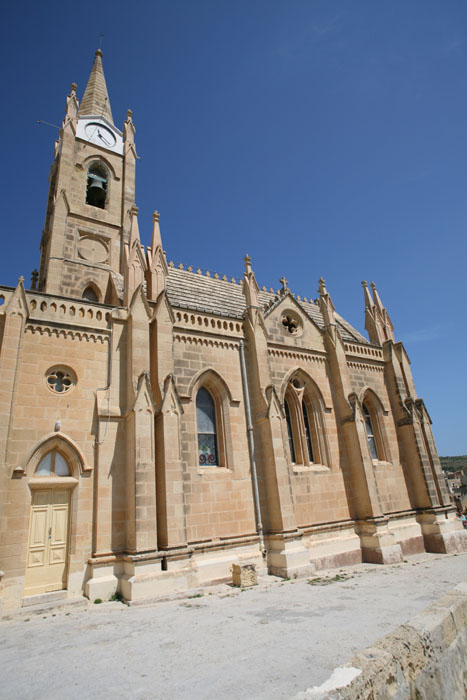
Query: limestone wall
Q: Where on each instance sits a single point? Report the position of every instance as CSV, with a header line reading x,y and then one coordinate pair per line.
x,y
426,658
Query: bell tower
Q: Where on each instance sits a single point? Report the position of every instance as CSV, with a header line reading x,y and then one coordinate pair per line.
x,y
91,195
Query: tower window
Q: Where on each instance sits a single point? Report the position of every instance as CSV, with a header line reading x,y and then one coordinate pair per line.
x,y
89,294
96,188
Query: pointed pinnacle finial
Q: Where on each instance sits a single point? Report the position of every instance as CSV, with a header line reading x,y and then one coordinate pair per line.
x,y
322,287
247,261
325,304
366,295
284,283
376,297
156,241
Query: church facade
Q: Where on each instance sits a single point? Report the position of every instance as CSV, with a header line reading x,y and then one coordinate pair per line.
x,y
158,423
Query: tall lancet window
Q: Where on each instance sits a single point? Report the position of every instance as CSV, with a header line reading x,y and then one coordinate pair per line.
x,y
306,424
290,431
96,187
370,433
206,425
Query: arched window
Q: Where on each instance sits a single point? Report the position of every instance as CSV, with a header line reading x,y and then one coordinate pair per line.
x,y
53,464
305,424
89,294
206,428
290,431
372,436
96,187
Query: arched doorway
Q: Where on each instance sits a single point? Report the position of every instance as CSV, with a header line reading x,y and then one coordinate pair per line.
x,y
47,555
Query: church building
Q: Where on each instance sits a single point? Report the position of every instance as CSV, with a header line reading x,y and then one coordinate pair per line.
x,y
159,424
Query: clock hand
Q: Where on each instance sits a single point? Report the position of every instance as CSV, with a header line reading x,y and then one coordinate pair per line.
x,y
102,138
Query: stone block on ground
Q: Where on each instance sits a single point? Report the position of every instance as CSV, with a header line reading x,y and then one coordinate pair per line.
x,y
244,575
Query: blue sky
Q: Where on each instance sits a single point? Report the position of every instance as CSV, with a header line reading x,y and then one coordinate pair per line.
x,y
321,137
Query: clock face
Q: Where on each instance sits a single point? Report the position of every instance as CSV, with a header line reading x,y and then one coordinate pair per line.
x,y
100,134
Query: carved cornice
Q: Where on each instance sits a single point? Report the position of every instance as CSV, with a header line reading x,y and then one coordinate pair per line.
x,y
365,366
210,342
297,355
67,333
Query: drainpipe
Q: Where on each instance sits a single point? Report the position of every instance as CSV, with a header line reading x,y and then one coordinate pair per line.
x,y
251,446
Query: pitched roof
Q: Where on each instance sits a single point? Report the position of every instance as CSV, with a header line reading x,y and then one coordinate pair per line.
x,y
189,290
95,100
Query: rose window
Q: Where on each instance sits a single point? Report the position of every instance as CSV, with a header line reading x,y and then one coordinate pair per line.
x,y
291,323
60,380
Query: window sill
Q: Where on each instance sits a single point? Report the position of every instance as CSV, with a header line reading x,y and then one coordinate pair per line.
x,y
49,482
214,470
381,463
318,468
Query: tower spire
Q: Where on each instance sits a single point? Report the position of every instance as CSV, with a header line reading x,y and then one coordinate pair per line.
x,y
95,100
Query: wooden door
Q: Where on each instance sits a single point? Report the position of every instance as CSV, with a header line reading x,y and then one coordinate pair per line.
x,y
48,542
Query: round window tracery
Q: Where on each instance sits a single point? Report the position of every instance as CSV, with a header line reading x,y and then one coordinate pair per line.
x,y
60,380
292,323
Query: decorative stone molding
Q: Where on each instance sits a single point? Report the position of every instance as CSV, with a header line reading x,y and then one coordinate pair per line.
x,y
367,350
210,342
67,334
294,355
208,322
365,367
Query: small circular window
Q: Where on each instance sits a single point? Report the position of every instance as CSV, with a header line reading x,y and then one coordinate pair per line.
x,y
292,323
60,380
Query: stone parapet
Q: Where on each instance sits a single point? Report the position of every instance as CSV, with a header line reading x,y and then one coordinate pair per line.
x,y
425,658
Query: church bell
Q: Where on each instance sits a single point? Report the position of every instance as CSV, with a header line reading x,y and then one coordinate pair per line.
x,y
96,192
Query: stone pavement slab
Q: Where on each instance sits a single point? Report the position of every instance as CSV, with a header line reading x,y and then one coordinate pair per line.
x,y
270,641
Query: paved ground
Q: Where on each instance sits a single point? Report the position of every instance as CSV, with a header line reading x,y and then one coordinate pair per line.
x,y
271,641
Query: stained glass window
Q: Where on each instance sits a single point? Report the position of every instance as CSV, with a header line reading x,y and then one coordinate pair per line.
x,y
370,433
206,422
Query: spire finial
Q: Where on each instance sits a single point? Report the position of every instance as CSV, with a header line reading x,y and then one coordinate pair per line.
x,y
247,261
284,283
